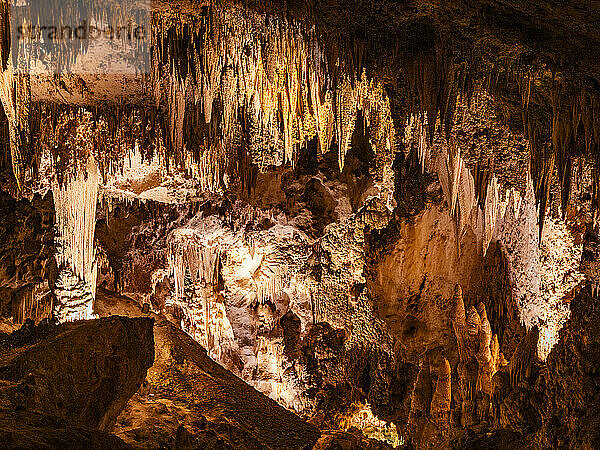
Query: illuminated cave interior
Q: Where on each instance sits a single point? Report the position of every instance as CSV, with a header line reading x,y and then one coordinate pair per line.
x,y
326,224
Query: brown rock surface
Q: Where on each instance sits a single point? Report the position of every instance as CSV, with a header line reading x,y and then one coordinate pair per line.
x,y
570,386
82,373
336,440
26,256
190,401
27,430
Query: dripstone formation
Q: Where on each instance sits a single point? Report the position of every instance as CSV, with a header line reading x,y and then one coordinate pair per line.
x,y
322,224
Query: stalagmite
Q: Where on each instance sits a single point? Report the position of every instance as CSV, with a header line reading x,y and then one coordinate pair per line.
x,y
484,353
442,396
524,357
479,357
459,318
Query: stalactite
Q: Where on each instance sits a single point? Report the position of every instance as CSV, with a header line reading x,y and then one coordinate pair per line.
x,y
493,211
188,254
323,112
524,357
346,104
5,30
434,82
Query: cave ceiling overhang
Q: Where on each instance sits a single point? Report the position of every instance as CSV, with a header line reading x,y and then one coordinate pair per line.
x,y
536,59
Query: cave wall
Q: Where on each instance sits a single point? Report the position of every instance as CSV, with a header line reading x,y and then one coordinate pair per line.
x,y
27,261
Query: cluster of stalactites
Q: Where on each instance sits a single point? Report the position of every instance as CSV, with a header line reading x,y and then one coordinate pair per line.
x,y
112,133
574,130
437,82
245,75
65,16
190,256
234,89
482,216
269,288
524,358
208,168
262,85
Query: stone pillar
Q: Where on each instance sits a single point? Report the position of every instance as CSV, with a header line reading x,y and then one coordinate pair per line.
x,y
75,205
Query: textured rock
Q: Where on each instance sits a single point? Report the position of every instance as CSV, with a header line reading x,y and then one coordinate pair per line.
x,y
347,441
187,397
570,386
27,430
26,257
81,373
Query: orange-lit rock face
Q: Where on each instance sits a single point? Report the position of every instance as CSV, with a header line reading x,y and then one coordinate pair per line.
x,y
416,280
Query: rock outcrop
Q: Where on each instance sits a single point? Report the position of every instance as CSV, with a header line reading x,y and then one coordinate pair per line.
x,y
81,374
189,401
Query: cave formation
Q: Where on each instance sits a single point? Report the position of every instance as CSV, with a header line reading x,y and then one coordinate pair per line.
x,y
280,224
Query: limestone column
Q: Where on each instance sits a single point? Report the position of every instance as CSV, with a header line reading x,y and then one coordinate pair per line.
x,y
75,205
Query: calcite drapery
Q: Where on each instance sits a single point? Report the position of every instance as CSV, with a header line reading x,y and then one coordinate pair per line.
x,y
508,215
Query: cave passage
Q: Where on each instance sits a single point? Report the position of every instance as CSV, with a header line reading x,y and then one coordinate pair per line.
x,y
290,225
